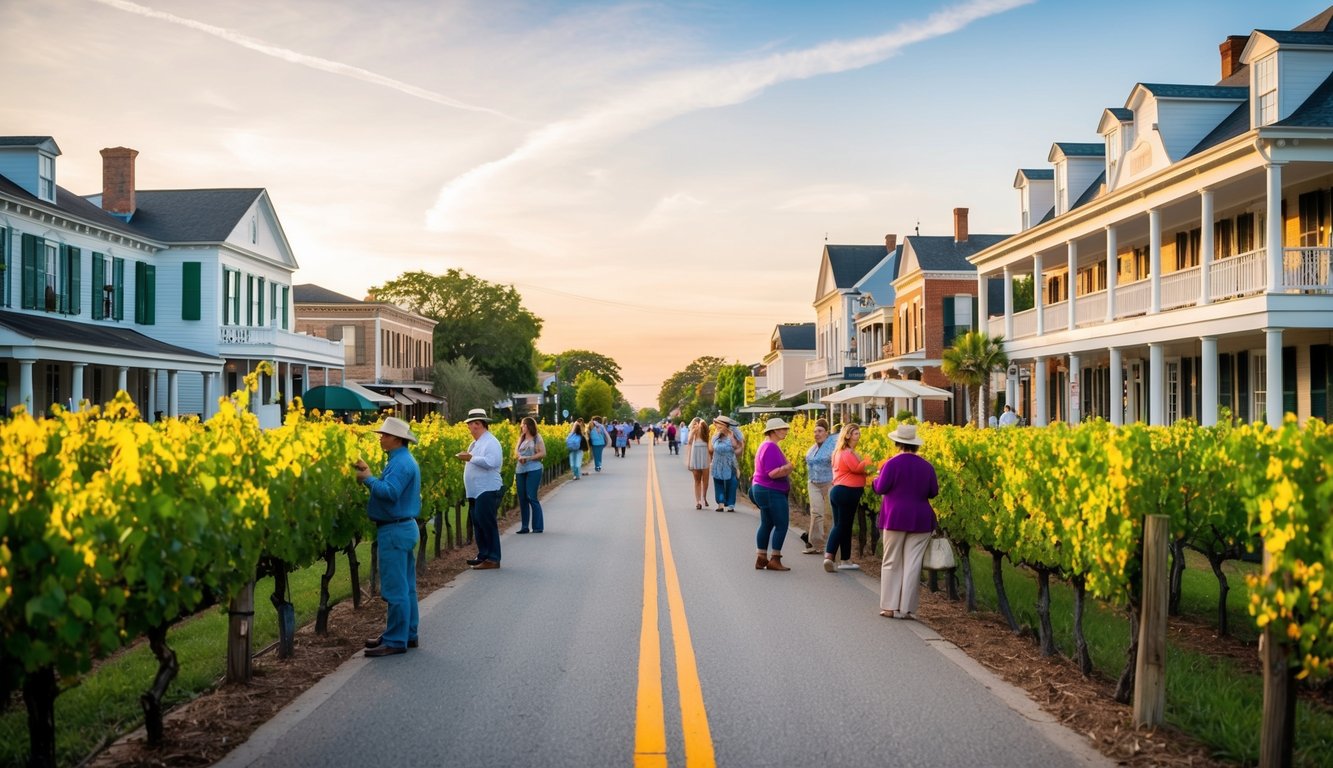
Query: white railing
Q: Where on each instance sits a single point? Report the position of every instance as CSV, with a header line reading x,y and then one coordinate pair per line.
x,y
1090,309
995,326
1133,298
1239,275
1180,289
276,337
1307,270
1055,317
246,335
1025,323
819,368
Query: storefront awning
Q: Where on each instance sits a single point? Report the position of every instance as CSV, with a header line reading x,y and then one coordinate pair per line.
x,y
417,396
368,394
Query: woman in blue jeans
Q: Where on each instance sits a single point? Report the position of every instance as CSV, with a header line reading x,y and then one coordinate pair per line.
x,y
725,468
597,439
769,488
529,454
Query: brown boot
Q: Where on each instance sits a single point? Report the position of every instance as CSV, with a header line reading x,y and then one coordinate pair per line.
x,y
760,562
775,564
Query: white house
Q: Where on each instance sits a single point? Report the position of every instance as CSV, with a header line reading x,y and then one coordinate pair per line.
x,y
130,289
838,300
1192,273
790,348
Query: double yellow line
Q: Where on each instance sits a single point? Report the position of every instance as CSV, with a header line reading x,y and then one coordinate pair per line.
x,y
650,718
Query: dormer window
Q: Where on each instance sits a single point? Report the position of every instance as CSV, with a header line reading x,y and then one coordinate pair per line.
x,y
1061,202
1265,88
46,178
1112,149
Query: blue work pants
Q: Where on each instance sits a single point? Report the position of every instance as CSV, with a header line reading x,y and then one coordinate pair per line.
x,y
398,580
483,510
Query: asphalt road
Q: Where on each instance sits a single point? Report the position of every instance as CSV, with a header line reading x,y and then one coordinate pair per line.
x,y
548,661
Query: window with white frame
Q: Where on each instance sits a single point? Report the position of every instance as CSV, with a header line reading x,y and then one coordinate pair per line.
x,y
54,271
1060,203
46,177
1112,148
1172,391
1259,385
1265,87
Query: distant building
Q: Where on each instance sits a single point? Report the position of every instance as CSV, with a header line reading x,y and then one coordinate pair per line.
x,y
838,299
790,348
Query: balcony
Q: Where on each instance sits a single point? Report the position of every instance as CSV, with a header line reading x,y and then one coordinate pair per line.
x,y
818,369
275,342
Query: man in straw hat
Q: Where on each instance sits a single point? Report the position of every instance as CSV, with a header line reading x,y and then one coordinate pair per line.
x,y
483,486
394,506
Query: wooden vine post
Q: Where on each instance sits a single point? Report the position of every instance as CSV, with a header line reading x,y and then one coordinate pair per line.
x,y
1277,734
241,620
1150,666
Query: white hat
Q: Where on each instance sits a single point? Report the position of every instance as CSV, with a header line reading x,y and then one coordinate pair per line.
x,y
477,414
775,424
397,428
906,435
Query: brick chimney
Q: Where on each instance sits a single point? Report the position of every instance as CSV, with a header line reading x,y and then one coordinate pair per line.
x,y
118,181
960,225
1231,49
890,243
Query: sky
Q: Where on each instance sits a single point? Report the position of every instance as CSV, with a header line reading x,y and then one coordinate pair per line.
x,y
657,179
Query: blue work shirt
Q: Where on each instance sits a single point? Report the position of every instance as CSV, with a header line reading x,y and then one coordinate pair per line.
x,y
396,493
819,461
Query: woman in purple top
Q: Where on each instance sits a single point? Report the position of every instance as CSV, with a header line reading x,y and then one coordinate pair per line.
x,y
768,490
906,483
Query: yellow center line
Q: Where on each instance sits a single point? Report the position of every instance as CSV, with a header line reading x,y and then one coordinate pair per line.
x,y
650,722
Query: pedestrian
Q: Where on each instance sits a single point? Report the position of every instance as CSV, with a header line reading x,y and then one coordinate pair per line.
x,y
597,438
394,506
906,483
722,449
622,437
637,433
768,489
819,480
849,484
482,485
576,443
1008,418
673,446
697,460
529,452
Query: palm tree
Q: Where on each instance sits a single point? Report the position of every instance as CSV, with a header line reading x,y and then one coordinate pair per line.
x,y
970,362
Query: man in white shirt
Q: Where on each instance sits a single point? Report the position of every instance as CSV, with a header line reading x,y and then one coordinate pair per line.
x,y
483,486
1008,418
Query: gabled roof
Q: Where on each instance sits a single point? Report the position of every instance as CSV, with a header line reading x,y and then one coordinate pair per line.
x,y
1316,110
1298,36
70,204
1233,125
1114,117
796,336
1076,149
113,337
850,263
1093,191
942,253
191,215
1179,91
1034,174
41,142
309,293
1121,114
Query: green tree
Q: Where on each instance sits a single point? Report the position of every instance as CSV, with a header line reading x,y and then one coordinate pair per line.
x,y
970,362
690,389
478,320
593,397
463,388
648,415
730,392
1024,297
570,363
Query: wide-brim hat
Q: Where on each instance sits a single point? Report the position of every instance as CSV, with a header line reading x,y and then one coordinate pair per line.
x,y
775,424
477,414
905,434
397,428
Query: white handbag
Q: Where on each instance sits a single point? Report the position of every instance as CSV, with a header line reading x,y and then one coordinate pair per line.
x,y
939,554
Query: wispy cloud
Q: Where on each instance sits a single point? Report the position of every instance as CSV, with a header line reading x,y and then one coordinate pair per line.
x,y
293,57
688,91
826,198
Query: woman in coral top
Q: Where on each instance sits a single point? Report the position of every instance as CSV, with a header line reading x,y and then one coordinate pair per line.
x,y
849,483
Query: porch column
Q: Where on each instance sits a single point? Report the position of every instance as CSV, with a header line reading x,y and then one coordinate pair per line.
x,y
122,379
1038,302
326,375
287,387
1156,383
206,411
1039,392
1208,381
1075,398
1117,387
149,412
76,385
1273,239
1112,267
1273,400
25,384
983,304
173,394
1008,303
1072,290
1155,259
1206,248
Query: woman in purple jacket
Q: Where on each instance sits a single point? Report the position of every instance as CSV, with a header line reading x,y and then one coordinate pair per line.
x,y
906,483
768,489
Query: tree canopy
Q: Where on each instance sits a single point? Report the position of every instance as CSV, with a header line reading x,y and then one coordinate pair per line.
x,y
594,397
478,320
730,393
463,387
691,389
570,363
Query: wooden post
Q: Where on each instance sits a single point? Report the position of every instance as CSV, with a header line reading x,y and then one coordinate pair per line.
x,y
1277,734
1150,667
242,614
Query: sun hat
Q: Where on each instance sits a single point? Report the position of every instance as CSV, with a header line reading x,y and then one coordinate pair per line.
x,y
397,428
775,424
730,422
906,435
477,414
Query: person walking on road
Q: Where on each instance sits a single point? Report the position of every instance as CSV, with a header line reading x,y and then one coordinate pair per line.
x,y
768,489
849,484
725,468
907,483
482,485
528,455
576,444
394,506
597,439
672,444
697,460
622,437
819,480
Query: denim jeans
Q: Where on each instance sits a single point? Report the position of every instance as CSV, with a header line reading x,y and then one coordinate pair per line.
x,y
529,509
724,491
397,546
597,455
844,501
774,517
482,511
576,462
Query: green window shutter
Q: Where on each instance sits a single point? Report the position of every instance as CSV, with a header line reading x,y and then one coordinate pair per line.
x,y
235,297
1319,380
150,304
1243,386
118,284
946,320
249,300
74,268
192,279
260,283
1288,379
1225,383
96,296
228,317
286,292
138,291
62,278
30,276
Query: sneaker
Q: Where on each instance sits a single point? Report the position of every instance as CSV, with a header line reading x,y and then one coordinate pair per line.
x,y
846,566
810,551
828,565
